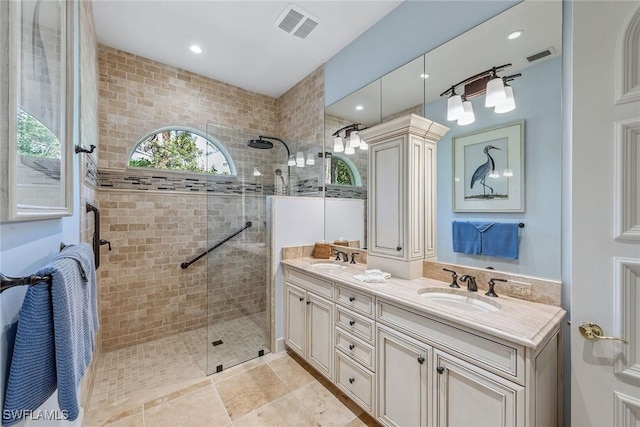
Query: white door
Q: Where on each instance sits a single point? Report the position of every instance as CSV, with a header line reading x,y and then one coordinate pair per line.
x,y
320,334
605,213
295,317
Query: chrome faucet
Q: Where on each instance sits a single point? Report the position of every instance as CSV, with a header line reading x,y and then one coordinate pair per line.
x,y
471,282
345,256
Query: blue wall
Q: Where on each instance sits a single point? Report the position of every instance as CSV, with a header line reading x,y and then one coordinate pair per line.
x,y
410,30
538,97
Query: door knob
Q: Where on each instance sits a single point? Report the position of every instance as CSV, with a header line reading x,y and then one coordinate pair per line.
x,y
592,331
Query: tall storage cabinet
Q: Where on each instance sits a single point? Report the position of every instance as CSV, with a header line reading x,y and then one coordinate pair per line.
x,y
402,194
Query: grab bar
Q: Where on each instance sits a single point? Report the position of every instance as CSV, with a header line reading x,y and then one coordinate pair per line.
x,y
186,265
97,241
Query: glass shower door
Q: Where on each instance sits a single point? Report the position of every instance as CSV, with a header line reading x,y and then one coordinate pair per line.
x,y
238,326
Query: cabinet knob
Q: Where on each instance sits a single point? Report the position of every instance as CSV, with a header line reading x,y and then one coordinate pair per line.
x,y
399,248
352,299
351,346
308,302
301,299
440,369
421,359
351,380
352,322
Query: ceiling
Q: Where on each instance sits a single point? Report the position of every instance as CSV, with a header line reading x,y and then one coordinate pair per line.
x,y
475,51
241,44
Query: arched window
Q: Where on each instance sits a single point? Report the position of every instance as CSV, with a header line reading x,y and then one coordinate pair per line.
x,y
342,171
183,149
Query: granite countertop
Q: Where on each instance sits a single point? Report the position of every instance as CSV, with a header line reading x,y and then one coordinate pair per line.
x,y
519,321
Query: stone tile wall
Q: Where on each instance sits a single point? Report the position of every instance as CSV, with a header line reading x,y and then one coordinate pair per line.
x,y
155,220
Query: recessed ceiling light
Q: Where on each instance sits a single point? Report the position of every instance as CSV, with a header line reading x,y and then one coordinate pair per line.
x,y
195,48
424,75
514,35
359,107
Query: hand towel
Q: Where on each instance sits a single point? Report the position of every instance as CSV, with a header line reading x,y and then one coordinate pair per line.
x,y
54,340
501,240
466,238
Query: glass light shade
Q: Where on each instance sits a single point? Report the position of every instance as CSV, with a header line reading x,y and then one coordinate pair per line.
x,y
349,150
454,107
467,117
363,145
507,173
291,161
310,159
494,174
509,104
354,140
256,172
496,94
300,159
338,146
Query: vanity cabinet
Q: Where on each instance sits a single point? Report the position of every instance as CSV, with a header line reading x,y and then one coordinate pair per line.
x,y
410,367
402,193
309,320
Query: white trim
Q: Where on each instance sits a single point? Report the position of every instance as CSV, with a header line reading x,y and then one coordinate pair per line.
x,y
626,293
625,408
627,86
626,153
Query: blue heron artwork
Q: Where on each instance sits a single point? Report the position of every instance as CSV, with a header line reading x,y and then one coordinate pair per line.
x,y
483,164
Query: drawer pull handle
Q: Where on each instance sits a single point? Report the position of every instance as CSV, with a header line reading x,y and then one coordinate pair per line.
x,y
301,299
421,359
351,380
351,346
352,322
399,248
440,369
352,299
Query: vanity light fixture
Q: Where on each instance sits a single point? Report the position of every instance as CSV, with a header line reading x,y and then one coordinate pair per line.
x,y
350,140
359,107
508,173
256,172
310,159
300,159
195,49
424,75
499,95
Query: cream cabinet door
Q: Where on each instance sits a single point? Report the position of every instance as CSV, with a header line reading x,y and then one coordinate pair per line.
x,y
403,383
320,334
295,317
386,198
467,396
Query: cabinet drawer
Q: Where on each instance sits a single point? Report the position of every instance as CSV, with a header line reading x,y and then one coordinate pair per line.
x,y
502,358
317,286
359,326
356,301
356,382
358,350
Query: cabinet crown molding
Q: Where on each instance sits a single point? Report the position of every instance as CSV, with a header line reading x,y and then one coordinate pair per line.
x,y
411,123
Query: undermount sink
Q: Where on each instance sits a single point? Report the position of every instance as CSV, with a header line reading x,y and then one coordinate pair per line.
x,y
462,300
328,265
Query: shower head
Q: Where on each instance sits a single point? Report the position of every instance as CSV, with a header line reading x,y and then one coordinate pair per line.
x,y
260,143
265,145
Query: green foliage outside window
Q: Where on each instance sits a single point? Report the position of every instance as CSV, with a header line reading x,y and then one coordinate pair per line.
x,y
174,149
343,173
35,139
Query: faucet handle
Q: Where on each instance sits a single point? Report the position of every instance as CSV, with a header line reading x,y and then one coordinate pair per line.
x,y
353,257
454,278
492,283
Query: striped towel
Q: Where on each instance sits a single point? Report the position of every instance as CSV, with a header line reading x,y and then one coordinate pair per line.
x,y
54,340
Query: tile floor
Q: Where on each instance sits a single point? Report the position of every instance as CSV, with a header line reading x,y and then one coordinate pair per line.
x,y
161,384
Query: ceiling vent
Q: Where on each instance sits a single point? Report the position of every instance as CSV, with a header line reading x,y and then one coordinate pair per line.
x,y
536,56
297,21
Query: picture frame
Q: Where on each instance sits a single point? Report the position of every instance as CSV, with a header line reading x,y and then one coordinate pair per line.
x,y
488,170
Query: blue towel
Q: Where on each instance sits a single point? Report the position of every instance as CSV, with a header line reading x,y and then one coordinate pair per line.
x,y
501,240
54,340
466,238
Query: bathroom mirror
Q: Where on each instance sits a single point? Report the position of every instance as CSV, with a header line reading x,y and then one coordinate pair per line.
x,y
37,139
537,55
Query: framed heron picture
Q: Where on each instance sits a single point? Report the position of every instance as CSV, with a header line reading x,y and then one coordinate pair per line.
x,y
488,170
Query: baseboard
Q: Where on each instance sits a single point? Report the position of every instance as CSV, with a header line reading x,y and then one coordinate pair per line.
x,y
280,345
